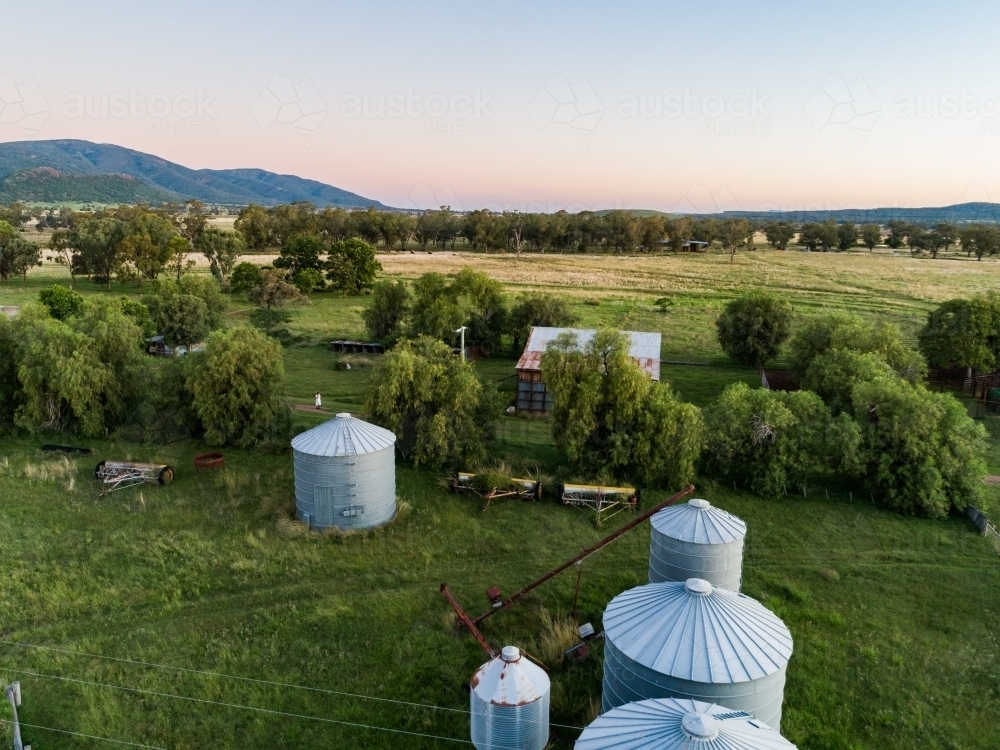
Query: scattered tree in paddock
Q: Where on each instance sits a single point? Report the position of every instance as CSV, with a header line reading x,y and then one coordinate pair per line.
x,y
752,328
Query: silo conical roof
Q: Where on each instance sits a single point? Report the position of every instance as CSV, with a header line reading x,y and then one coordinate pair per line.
x,y
699,522
678,724
698,632
510,680
343,435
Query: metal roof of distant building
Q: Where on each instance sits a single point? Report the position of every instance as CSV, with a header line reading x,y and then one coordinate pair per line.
x,y
699,522
343,435
678,724
644,347
699,632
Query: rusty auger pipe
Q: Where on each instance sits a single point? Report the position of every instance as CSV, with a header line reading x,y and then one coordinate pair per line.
x,y
471,624
466,621
585,553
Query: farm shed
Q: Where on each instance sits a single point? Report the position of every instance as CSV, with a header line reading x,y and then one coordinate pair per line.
x,y
698,641
672,724
697,540
532,395
356,347
345,474
156,345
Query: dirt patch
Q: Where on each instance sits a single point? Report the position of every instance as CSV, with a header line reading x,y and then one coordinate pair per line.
x,y
313,409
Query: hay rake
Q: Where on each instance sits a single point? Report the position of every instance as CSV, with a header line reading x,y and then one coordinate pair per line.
x,y
606,502
117,475
526,489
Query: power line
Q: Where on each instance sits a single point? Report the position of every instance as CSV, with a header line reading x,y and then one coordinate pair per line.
x,y
248,679
233,677
87,736
271,711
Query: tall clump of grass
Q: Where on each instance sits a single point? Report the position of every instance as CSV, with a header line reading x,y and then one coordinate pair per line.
x,y
235,484
289,528
276,505
556,634
354,362
501,475
51,470
495,476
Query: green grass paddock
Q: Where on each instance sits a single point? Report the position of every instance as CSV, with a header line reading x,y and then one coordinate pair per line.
x,y
896,620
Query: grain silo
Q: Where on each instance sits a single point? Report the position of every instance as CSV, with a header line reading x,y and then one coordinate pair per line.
x,y
678,724
345,474
510,704
698,641
697,540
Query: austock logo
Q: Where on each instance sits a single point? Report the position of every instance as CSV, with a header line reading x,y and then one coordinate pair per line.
x,y
297,104
574,104
700,199
184,114
839,102
22,104
424,198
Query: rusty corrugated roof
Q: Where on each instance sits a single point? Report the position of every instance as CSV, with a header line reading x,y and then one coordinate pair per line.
x,y
645,347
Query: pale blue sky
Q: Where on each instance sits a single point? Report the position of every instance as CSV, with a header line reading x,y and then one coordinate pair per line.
x,y
580,105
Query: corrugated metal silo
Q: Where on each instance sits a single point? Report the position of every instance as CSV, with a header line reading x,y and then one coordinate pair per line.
x,y
697,540
345,474
698,641
510,704
678,724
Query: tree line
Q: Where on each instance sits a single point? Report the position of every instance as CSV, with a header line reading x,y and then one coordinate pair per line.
x,y
863,415
618,231
67,363
137,243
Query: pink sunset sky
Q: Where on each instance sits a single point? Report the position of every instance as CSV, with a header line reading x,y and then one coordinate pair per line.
x,y
668,106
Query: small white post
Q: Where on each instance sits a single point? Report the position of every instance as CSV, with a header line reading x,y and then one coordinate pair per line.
x,y
462,331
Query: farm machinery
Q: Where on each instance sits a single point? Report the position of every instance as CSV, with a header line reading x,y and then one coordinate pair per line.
x,y
606,501
490,488
117,475
498,602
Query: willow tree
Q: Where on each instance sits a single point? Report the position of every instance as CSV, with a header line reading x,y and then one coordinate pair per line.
x,y
441,412
920,452
384,316
609,416
771,441
87,373
827,333
237,386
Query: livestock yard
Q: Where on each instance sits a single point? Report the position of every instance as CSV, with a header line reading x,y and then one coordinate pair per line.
x,y
197,614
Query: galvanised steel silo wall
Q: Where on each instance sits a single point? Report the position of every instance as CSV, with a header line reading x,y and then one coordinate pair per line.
x,y
626,681
349,492
510,727
674,560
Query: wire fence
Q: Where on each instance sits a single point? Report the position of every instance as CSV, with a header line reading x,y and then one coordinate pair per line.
x,y
985,526
68,679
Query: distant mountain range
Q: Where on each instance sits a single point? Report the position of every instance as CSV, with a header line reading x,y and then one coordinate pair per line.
x,y
84,172
959,212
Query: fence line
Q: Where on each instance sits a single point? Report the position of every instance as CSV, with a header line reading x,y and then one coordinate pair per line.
x,y
985,526
13,693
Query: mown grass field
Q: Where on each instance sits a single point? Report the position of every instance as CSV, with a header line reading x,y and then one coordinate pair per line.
x,y
896,620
